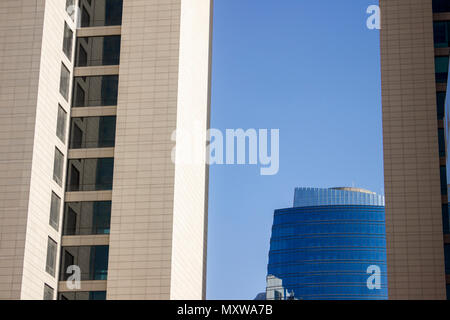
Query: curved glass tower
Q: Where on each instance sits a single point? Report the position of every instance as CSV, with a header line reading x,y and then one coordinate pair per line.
x,y
330,246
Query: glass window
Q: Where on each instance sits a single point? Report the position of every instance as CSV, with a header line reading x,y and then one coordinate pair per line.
x,y
93,132
95,91
98,51
58,166
85,18
48,292
90,174
101,13
445,218
441,34
88,295
70,8
92,260
441,138
87,218
82,57
61,124
441,64
79,98
441,6
447,258
54,211
51,257
440,101
68,41
443,180
64,82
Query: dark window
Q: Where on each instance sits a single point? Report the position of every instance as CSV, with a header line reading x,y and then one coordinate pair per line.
x,y
79,98
88,295
48,292
74,178
445,219
109,90
51,257
70,220
443,180
441,64
93,132
98,51
90,174
58,166
441,6
113,12
54,211
440,101
99,91
441,34
85,18
92,260
103,12
61,124
278,295
87,218
447,258
67,260
82,57
68,41
441,138
64,82
76,138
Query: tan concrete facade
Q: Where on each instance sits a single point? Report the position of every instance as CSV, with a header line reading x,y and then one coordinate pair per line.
x,y
415,245
158,229
157,241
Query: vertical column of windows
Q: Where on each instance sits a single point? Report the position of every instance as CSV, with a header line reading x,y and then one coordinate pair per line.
x,y
95,131
67,43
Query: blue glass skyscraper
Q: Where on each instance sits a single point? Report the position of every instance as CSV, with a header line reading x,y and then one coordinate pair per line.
x,y
330,246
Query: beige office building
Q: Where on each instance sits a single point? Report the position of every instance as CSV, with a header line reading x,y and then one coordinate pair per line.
x,y
91,92
415,41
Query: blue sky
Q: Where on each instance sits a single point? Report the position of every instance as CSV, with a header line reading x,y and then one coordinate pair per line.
x,y
312,70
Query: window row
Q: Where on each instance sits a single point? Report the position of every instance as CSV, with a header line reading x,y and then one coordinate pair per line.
x,y
93,132
95,91
82,295
87,218
90,174
92,262
98,51
98,13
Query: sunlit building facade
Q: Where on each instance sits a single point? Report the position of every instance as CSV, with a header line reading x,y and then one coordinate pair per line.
x,y
414,79
92,186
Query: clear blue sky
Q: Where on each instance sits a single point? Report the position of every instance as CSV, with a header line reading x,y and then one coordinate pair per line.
x,y
310,69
